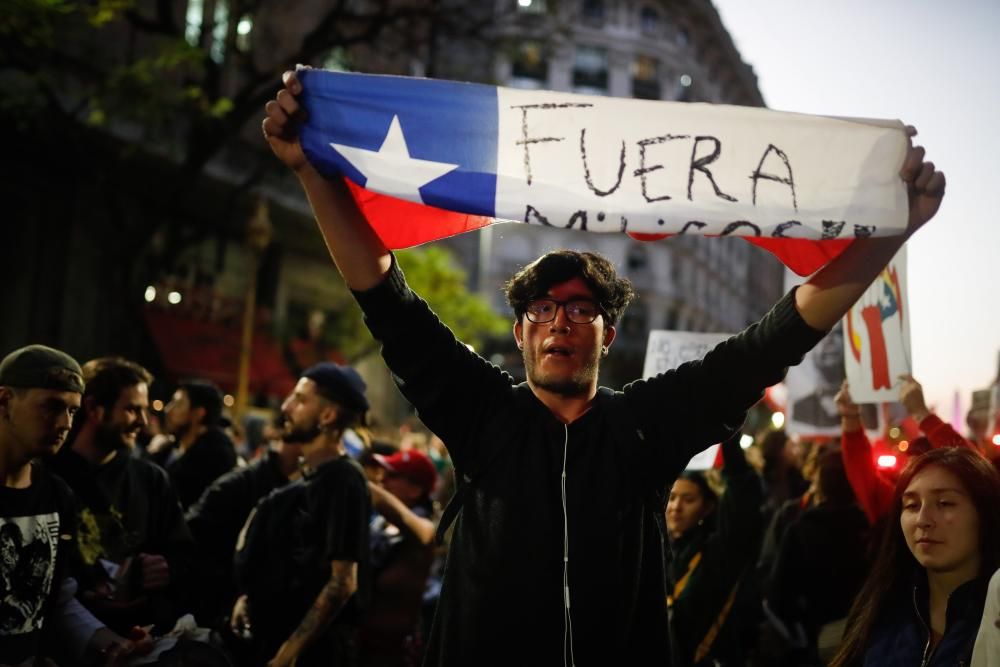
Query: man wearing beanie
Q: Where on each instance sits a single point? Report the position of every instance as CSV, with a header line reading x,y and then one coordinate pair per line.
x,y
40,392
302,561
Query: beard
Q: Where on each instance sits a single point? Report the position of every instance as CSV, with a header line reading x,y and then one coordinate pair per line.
x,y
575,384
110,438
301,433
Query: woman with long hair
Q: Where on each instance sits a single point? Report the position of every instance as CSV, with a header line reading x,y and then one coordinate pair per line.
x,y
922,602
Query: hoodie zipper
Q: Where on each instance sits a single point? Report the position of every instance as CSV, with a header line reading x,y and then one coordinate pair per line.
x,y
926,659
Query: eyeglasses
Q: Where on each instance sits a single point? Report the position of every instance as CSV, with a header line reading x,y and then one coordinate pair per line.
x,y
579,311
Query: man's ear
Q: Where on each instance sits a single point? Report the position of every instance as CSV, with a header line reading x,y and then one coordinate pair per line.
x,y
328,415
6,394
518,334
92,410
609,336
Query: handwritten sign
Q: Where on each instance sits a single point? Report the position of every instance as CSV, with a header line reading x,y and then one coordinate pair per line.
x,y
606,164
666,350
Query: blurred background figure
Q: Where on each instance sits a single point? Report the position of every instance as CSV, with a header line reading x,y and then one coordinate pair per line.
x,y
200,451
402,552
821,564
713,541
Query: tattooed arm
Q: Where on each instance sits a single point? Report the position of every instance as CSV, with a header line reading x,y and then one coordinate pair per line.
x,y
341,586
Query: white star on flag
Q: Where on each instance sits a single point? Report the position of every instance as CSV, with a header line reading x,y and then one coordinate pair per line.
x,y
390,170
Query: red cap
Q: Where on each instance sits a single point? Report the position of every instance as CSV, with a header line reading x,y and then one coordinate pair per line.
x,y
413,465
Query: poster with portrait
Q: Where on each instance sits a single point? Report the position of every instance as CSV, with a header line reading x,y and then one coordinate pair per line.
x,y
877,336
812,387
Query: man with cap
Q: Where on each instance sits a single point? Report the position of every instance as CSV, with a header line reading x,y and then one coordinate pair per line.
x,y
202,452
40,392
134,544
302,561
402,542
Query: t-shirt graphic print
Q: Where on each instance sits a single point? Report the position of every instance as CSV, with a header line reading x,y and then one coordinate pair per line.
x,y
28,547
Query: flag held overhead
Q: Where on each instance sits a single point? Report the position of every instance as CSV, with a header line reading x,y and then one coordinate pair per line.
x,y
429,159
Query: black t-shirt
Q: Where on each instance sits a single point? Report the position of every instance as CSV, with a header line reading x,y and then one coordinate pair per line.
x,y
291,540
36,529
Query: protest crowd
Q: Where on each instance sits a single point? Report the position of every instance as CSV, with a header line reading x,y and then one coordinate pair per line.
x,y
550,522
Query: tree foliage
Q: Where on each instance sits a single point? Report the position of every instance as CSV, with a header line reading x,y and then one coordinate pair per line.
x,y
434,274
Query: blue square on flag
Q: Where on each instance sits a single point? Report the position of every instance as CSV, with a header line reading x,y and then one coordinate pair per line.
x,y
428,141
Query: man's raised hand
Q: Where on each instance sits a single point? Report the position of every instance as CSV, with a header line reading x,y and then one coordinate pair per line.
x,y
925,185
281,125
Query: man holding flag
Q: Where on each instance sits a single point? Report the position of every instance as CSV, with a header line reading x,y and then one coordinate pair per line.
x,y
558,545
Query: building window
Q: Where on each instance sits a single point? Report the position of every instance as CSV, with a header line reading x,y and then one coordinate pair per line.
x,y
243,30
217,24
649,21
592,12
590,71
646,78
531,6
529,67
637,258
193,21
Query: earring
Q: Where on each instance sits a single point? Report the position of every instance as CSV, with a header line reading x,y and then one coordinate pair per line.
x,y
604,351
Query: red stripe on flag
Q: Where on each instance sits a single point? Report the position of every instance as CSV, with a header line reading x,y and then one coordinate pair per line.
x,y
404,224
802,256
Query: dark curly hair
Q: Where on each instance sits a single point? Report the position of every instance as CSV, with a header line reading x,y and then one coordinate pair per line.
x,y
533,281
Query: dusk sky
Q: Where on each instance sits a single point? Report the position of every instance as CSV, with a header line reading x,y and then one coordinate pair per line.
x,y
932,65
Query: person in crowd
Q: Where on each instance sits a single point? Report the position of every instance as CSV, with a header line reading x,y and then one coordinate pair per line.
x,y
923,599
557,539
402,551
783,480
200,451
713,548
986,652
134,544
303,558
216,519
40,392
821,564
786,514
873,491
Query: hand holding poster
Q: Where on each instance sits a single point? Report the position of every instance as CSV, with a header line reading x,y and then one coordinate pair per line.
x,y
877,336
429,159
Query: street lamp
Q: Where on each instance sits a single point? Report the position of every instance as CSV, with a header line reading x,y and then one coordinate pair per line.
x,y
258,237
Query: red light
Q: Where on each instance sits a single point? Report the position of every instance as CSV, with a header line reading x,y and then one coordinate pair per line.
x,y
886,461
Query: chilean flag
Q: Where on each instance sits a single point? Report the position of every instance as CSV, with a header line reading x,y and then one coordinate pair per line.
x,y
426,159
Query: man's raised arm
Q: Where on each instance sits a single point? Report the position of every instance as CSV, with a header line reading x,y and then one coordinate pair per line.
x,y
357,251
830,293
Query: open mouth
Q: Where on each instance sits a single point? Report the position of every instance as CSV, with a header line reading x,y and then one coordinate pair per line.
x,y
559,351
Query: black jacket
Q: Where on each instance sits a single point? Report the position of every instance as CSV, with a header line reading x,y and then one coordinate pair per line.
x,y
127,507
502,600
215,522
209,457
